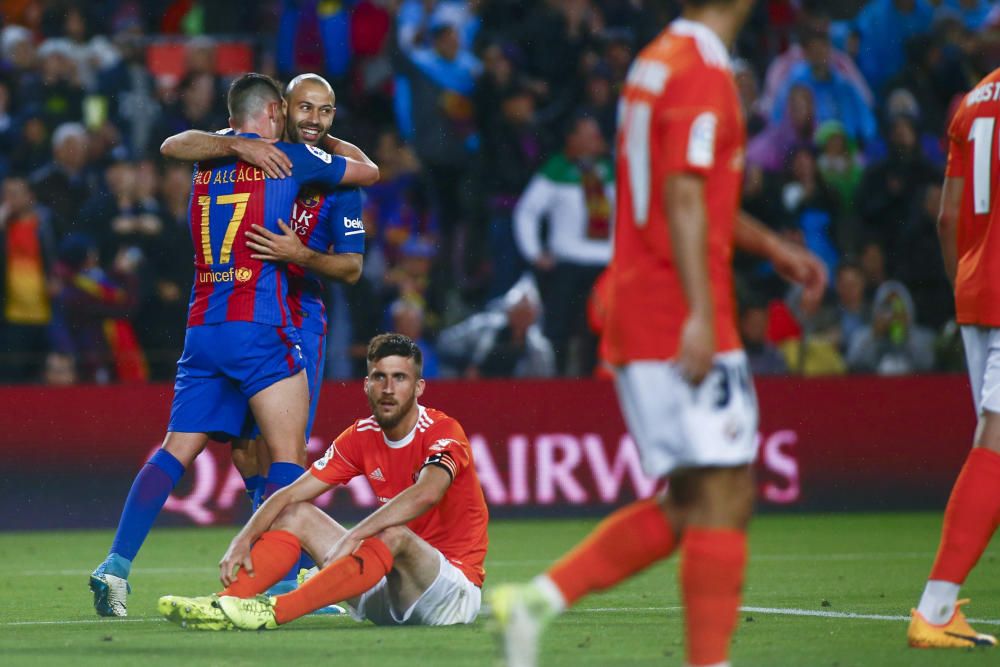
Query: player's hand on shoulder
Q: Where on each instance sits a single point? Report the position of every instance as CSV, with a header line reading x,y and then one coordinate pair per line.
x,y
697,349
263,153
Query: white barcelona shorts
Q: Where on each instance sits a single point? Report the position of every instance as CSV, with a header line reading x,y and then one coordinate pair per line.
x,y
982,354
676,425
451,600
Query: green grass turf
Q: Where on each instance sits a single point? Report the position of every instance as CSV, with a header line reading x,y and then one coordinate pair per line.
x,y
861,563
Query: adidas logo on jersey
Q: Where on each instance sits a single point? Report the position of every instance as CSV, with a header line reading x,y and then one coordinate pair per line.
x,y
377,475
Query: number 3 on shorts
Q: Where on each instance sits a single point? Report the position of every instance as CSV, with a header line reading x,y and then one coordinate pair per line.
x,y
727,376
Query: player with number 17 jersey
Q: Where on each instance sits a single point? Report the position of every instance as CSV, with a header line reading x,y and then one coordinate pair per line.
x,y
679,113
973,155
228,197
223,366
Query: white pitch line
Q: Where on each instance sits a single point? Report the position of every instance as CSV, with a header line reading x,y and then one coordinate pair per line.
x,y
902,555
775,611
105,621
781,611
139,570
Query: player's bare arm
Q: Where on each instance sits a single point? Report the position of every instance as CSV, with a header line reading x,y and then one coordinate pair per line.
x,y
684,196
286,247
336,146
194,145
237,556
427,492
792,262
947,224
360,173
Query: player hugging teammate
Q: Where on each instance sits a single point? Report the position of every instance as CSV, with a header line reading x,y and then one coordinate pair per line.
x,y
249,355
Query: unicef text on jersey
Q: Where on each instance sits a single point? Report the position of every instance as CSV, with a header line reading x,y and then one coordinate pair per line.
x,y
240,275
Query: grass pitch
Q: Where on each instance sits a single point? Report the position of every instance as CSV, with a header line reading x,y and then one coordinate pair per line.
x,y
822,590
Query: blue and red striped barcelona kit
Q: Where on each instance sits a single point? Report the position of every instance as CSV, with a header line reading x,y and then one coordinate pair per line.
x,y
325,221
240,337
228,196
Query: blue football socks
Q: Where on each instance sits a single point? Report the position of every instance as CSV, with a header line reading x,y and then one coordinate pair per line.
x,y
252,484
280,475
150,490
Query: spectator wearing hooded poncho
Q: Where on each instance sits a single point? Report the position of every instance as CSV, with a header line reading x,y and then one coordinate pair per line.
x,y
841,168
894,344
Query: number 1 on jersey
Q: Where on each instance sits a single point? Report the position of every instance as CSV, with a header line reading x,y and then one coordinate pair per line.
x,y
239,210
636,117
981,136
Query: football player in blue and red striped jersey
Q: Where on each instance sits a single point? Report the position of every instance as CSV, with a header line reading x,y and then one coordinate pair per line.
x,y
242,354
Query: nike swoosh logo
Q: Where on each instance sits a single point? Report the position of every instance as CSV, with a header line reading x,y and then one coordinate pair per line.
x,y
975,641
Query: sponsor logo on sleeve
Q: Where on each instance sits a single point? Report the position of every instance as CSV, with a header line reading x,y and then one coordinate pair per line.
x,y
330,453
354,226
320,153
701,142
442,444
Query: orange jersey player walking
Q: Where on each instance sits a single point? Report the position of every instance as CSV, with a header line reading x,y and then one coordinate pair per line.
x,y
679,113
681,377
417,560
969,230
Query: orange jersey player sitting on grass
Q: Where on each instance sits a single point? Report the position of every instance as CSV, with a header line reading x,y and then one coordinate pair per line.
x,y
417,560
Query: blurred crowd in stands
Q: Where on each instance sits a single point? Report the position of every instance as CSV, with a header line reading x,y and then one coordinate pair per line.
x,y
493,124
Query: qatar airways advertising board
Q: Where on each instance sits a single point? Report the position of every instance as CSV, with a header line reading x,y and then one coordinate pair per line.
x,y
542,448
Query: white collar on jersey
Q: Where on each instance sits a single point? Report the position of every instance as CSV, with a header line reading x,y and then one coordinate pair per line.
x,y
709,45
408,438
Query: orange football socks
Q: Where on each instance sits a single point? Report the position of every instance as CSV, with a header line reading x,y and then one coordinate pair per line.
x,y
273,555
970,518
711,573
341,580
627,542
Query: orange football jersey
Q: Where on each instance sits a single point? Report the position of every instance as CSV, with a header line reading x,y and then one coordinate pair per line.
x,y
974,155
679,113
456,526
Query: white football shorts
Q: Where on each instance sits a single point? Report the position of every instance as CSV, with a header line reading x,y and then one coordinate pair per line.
x,y
451,600
676,425
982,354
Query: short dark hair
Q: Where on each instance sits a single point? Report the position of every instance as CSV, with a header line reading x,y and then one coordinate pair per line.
x,y
395,345
250,93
